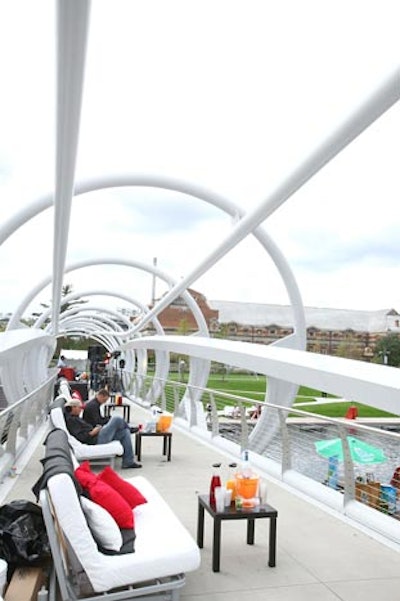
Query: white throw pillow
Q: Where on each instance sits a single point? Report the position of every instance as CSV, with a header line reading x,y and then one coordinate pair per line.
x,y
102,525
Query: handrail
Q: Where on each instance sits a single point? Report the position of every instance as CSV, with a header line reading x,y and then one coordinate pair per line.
x,y
291,457
19,423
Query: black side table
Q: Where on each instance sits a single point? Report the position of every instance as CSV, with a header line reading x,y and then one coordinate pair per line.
x,y
126,409
167,441
231,513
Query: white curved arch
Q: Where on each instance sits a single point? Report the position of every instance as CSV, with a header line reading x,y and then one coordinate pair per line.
x,y
14,320
161,357
297,340
197,377
24,356
75,310
94,314
89,319
198,192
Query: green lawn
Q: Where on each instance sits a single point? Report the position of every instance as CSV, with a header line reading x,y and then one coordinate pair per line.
x,y
253,387
339,410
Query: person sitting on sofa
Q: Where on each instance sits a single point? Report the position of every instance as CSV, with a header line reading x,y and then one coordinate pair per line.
x,y
115,429
92,414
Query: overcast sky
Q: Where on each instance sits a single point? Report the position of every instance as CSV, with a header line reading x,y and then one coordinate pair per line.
x,y
229,95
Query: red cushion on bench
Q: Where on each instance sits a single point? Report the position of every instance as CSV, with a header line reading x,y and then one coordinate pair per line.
x,y
130,493
103,494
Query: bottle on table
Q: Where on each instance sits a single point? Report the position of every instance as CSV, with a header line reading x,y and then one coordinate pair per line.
x,y
246,471
231,483
247,481
215,481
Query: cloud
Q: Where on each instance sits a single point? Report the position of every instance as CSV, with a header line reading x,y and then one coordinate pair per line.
x,y
329,255
157,211
228,96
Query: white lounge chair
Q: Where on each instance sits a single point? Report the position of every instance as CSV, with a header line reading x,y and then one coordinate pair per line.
x,y
98,453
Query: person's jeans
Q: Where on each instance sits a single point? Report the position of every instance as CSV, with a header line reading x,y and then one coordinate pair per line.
x,y
117,429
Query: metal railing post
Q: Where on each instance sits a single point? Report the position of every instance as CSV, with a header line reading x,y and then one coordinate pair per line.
x,y
285,437
244,428
348,466
214,415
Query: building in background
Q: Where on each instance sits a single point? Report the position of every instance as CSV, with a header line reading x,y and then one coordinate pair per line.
x,y
341,332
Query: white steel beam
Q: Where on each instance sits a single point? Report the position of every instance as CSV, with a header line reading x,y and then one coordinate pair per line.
x,y
72,32
368,383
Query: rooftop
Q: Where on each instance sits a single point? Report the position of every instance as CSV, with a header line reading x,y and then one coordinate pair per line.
x,y
318,317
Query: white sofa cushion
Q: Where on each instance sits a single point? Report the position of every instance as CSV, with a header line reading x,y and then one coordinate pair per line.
x,y
163,546
102,525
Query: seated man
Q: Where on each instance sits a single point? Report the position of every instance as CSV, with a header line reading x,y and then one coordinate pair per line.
x,y
92,413
115,429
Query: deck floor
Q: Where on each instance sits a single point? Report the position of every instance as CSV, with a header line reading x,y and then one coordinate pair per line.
x,y
319,557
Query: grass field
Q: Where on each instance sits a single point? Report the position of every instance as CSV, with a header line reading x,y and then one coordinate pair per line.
x,y
253,387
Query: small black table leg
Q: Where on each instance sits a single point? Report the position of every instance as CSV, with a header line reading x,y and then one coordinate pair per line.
x,y
169,439
138,446
250,531
272,542
200,526
216,544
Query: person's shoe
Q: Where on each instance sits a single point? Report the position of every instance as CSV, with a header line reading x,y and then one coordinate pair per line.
x,y
133,429
133,465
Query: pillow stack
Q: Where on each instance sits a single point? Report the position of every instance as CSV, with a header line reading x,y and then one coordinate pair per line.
x,y
109,512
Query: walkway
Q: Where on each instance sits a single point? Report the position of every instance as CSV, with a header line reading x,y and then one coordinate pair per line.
x,y
319,558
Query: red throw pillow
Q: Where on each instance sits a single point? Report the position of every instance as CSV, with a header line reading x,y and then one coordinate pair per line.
x,y
103,494
130,493
84,475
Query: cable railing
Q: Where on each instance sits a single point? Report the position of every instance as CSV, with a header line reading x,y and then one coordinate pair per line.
x,y
334,460
19,423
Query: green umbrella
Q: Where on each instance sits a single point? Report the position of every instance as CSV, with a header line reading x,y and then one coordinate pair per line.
x,y
361,452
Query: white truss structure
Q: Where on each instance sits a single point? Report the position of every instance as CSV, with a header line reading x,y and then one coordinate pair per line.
x,y
25,353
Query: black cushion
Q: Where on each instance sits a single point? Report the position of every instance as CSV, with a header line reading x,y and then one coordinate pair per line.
x,y
57,460
128,543
58,402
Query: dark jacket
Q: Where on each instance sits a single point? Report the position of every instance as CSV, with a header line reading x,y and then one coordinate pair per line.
x,y
79,428
92,414
57,460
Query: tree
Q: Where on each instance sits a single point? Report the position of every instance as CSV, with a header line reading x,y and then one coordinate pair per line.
x,y
183,327
65,291
387,350
222,331
347,348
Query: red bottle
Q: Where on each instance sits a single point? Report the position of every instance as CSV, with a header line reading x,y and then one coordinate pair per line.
x,y
215,481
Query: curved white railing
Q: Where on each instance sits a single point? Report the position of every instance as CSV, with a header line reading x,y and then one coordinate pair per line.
x,y
351,490
20,421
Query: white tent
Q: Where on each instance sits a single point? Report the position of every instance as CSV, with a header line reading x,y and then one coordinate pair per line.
x,y
76,359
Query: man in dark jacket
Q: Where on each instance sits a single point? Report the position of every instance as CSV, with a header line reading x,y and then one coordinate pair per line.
x,y
93,415
115,429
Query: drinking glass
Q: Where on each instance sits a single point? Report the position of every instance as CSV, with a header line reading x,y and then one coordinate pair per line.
x,y
219,498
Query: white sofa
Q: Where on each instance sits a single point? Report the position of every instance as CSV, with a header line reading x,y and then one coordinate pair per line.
x,y
93,452
163,549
